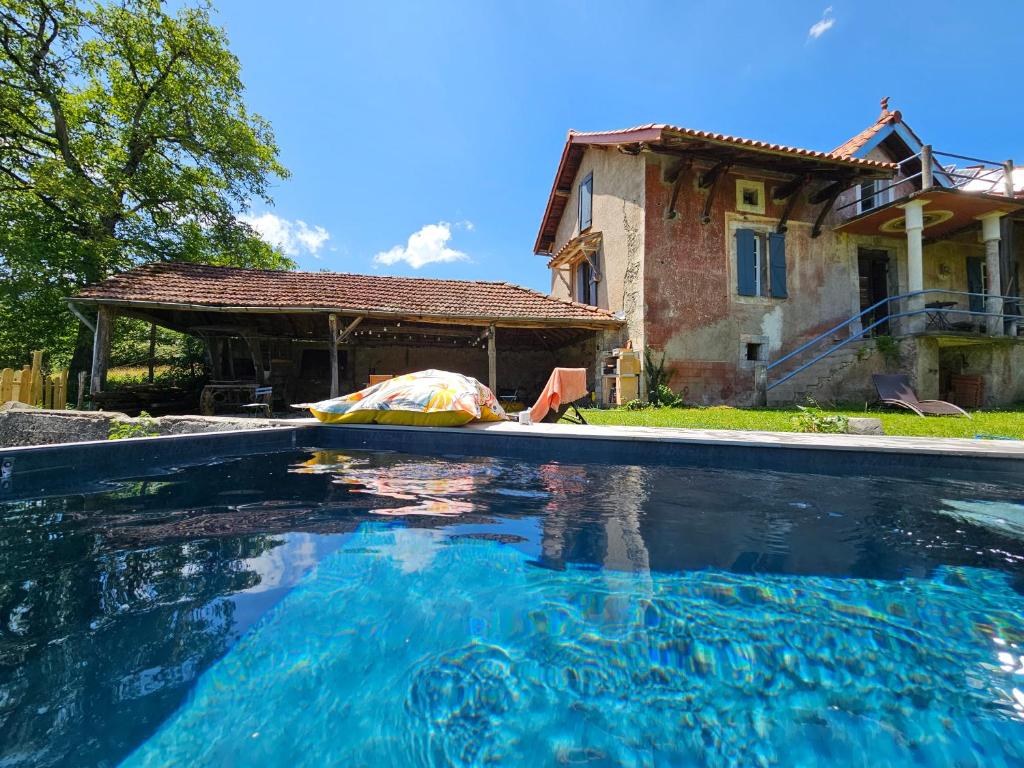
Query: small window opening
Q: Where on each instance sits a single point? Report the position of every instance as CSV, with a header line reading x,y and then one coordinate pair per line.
x,y
754,351
750,197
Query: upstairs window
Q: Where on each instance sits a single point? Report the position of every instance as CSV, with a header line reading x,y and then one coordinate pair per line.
x,y
586,202
873,194
586,289
761,264
750,196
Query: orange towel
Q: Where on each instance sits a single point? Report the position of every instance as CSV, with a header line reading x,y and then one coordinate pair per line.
x,y
565,385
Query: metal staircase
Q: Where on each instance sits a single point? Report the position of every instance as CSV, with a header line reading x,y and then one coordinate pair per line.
x,y
798,374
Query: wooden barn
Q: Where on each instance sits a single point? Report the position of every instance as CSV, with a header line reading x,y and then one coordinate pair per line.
x,y
313,335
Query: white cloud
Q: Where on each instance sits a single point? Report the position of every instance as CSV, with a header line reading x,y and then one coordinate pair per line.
x,y
823,25
428,245
292,237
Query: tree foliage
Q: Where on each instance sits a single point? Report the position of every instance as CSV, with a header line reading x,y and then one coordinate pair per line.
x,y
124,138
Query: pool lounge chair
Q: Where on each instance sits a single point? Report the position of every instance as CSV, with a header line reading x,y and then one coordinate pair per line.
x,y
565,388
895,389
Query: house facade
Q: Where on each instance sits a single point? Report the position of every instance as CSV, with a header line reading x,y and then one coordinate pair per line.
x,y
765,272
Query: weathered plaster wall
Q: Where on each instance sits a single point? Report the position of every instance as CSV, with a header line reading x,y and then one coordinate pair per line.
x,y
693,311
999,364
618,214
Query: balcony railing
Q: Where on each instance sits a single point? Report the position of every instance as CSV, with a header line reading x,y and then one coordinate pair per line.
x,y
931,311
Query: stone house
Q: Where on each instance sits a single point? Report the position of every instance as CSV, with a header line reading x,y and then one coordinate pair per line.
x,y
769,272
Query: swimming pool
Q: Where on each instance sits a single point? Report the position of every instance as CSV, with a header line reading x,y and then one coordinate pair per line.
x,y
343,606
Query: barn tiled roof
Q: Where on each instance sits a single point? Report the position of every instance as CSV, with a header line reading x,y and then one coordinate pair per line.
x,y
199,286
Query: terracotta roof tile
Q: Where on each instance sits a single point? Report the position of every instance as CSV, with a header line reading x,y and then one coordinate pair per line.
x,y
656,133
851,146
661,129
206,286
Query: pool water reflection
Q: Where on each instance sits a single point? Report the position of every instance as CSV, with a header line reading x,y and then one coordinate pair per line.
x,y
375,608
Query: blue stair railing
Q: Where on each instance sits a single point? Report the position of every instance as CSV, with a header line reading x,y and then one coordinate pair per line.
x,y
886,316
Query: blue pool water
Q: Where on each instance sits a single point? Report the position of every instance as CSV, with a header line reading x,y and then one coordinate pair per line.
x,y
353,608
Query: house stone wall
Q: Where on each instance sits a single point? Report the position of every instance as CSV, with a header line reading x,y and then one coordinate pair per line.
x,y
618,214
693,311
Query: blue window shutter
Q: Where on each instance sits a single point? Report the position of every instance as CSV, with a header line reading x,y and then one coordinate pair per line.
x,y
586,202
777,257
975,284
746,266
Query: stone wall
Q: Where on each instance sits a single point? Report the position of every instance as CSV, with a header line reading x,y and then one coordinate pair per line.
x,y
693,311
618,214
22,425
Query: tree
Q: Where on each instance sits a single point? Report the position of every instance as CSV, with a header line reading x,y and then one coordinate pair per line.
x,y
124,138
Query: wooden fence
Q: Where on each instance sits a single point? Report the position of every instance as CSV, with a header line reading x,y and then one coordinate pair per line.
x,y
33,387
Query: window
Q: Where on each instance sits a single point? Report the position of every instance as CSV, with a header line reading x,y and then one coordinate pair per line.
x,y
873,194
586,290
753,352
586,202
749,196
761,263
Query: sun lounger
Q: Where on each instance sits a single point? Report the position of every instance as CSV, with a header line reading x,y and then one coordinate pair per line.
x,y
895,389
565,387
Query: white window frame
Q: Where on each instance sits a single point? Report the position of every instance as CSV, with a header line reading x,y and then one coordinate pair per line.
x,y
881,198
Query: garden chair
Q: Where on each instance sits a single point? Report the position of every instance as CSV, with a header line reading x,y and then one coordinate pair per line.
x,y
895,389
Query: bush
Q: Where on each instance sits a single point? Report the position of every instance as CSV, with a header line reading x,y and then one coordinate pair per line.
x,y
814,420
144,426
636,405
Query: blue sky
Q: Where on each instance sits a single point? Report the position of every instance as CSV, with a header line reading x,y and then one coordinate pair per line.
x,y
445,121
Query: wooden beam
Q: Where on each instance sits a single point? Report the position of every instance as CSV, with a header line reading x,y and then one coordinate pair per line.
x,y
791,187
256,354
101,349
794,196
152,351
677,184
709,180
503,321
831,192
492,360
332,324
349,328
231,360
710,176
825,209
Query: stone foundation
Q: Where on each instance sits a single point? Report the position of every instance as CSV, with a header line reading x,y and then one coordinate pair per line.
x,y
22,425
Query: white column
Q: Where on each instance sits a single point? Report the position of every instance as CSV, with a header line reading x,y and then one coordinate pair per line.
x,y
915,262
993,282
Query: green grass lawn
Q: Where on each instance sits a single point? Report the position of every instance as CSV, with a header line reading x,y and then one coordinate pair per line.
x,y
1008,423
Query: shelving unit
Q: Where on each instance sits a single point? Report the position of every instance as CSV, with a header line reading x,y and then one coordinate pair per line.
x,y
620,370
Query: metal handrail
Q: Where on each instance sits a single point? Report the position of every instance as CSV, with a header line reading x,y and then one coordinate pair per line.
x,y
888,316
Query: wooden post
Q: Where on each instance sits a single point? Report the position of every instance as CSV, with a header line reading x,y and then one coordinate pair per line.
x,y
1008,178
152,350
81,390
492,360
256,353
926,167
216,345
100,350
332,325
231,360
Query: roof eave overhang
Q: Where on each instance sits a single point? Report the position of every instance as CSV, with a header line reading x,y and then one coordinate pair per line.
x,y
654,136
594,323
